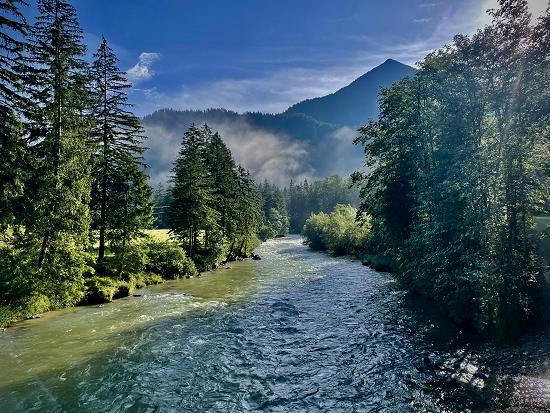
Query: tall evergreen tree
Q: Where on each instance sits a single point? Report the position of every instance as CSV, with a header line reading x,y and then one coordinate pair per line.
x,y
14,74
248,214
222,170
130,208
118,135
192,193
59,220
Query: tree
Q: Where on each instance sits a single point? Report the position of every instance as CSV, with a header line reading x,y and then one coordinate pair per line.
x,y
223,173
192,194
118,136
60,186
130,208
14,74
459,159
248,216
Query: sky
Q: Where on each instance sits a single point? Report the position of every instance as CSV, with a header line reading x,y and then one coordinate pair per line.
x,y
265,55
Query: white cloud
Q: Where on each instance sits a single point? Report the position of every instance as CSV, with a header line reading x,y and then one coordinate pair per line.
x,y
142,69
422,20
428,5
272,93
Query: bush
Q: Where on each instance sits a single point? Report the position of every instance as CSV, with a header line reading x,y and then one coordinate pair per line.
x,y
124,289
315,230
382,263
168,260
339,232
100,290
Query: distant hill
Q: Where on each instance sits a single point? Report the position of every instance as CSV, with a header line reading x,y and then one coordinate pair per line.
x,y
354,104
311,139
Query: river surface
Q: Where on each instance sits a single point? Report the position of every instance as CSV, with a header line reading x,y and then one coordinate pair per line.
x,y
298,331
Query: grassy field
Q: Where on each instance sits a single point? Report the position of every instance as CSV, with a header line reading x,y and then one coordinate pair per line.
x,y
158,234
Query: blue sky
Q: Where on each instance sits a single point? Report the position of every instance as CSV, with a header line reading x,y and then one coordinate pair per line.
x,y
265,54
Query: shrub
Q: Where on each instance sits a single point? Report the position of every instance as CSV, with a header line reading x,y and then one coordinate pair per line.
x,y
168,260
100,290
124,289
338,232
382,263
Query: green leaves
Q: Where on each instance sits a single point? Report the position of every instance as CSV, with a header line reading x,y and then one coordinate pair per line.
x,y
459,157
215,208
337,232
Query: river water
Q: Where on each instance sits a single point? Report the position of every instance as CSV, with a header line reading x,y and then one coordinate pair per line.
x,y
298,331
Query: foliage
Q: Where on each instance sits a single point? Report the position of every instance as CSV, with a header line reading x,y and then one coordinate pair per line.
x,y
100,290
337,232
121,195
214,210
459,164
320,196
168,260
274,212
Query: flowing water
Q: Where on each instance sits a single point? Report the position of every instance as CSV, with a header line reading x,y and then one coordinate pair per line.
x,y
298,331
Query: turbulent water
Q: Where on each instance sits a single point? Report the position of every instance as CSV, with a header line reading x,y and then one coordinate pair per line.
x,y
297,331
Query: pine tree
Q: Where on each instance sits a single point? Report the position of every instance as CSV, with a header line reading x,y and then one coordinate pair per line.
x,y
14,74
117,134
13,47
248,217
222,170
59,221
130,207
192,194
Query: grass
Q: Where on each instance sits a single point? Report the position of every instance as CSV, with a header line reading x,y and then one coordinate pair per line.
x,y
160,235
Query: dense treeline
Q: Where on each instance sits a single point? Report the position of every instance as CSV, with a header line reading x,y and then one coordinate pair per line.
x,y
214,207
282,210
322,195
72,160
74,197
460,162
274,211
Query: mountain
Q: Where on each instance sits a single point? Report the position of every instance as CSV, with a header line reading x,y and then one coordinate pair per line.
x,y
354,104
312,139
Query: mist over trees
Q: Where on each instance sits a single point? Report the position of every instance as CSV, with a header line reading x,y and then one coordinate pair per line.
x,y
460,158
214,207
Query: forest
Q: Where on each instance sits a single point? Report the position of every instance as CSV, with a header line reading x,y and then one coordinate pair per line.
x,y
457,169
459,164
75,202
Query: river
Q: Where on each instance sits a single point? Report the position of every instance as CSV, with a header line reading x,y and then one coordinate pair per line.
x,y
298,331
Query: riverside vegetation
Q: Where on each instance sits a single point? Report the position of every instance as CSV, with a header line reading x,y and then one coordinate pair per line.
x,y
459,164
74,194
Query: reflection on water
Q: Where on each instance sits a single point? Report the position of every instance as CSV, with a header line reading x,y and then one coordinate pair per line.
x,y
296,331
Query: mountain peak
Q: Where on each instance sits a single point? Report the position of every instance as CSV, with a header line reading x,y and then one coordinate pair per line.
x,y
390,61
355,104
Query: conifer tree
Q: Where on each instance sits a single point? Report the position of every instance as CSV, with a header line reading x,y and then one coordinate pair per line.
x,y
14,74
248,217
222,170
117,134
192,193
58,224
130,208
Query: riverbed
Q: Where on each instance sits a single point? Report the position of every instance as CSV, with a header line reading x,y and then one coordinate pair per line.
x,y
298,331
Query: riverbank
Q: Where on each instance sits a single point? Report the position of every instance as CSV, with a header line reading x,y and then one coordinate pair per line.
x,y
321,235
154,260
295,331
